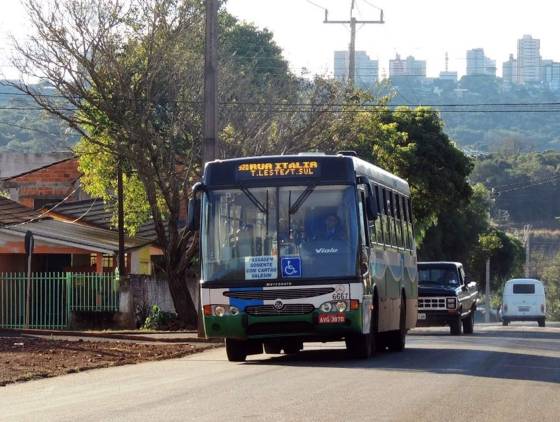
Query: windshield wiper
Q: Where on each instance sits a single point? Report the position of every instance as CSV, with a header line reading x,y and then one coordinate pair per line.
x,y
262,208
255,201
301,199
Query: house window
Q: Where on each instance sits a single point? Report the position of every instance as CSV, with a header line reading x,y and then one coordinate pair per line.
x,y
108,260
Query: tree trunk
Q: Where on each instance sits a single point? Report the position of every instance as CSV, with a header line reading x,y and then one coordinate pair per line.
x,y
184,305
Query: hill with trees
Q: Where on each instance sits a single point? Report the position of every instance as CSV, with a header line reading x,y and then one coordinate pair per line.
x,y
485,114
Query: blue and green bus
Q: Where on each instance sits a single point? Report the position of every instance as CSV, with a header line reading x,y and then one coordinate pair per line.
x,y
305,248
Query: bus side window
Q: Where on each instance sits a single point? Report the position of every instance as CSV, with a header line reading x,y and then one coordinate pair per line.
x,y
405,224
372,224
379,222
400,225
410,223
394,234
386,208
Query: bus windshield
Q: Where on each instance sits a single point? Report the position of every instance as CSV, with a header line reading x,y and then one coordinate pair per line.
x,y
280,233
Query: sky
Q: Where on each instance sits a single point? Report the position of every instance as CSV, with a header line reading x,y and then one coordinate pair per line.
x,y
426,29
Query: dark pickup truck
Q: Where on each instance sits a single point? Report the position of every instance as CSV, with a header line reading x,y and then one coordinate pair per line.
x,y
446,297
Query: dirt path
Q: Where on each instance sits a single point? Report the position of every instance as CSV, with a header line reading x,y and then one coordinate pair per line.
x,y
23,358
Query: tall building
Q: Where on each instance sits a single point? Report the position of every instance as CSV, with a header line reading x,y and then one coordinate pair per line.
x,y
509,70
528,59
409,67
367,70
550,74
479,64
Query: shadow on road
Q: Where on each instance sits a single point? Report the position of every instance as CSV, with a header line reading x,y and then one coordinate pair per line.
x,y
502,333
469,362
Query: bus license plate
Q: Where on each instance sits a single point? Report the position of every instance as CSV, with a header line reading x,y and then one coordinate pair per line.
x,y
331,318
421,317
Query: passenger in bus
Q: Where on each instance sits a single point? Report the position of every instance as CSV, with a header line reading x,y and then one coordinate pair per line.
x,y
332,229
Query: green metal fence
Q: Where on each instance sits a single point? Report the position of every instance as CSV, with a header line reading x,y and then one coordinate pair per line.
x,y
47,300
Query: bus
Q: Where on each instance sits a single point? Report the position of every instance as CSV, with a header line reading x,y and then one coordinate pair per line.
x,y
305,248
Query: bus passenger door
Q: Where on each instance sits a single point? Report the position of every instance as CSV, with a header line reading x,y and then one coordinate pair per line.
x,y
365,261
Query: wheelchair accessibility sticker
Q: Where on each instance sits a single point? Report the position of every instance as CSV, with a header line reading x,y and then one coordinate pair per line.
x,y
291,266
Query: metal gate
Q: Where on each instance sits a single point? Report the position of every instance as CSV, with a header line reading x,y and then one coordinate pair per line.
x,y
47,300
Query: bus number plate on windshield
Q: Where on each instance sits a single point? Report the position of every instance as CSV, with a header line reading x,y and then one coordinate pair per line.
x,y
331,318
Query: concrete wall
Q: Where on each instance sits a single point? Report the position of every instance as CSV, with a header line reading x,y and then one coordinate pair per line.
x,y
13,163
147,291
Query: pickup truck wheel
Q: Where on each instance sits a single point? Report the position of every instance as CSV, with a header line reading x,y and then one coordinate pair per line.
x,y
468,324
541,323
455,326
236,350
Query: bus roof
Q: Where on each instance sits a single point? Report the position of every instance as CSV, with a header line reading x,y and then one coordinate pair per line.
x,y
309,167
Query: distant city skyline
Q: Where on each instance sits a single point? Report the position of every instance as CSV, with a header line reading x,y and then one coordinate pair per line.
x,y
528,67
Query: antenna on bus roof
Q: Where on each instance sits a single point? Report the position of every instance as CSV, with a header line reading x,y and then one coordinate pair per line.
x,y
348,153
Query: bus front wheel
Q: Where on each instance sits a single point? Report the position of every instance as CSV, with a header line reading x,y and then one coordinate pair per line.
x,y
359,346
236,350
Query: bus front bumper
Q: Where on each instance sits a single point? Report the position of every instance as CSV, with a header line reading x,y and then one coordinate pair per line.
x,y
306,326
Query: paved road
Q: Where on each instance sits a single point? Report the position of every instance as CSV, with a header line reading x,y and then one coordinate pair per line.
x,y
500,373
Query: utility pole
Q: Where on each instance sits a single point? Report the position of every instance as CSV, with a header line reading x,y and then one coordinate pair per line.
x,y
210,82
120,219
527,244
487,291
352,47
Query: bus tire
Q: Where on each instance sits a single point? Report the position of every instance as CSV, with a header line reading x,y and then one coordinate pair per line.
x,y
359,346
455,326
468,324
541,322
236,350
397,339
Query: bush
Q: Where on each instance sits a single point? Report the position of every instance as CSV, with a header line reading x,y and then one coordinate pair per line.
x,y
157,319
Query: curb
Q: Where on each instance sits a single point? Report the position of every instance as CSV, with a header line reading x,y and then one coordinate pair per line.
x,y
116,336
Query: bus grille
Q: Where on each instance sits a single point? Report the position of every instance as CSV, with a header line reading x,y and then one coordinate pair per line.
x,y
280,328
288,309
426,303
279,293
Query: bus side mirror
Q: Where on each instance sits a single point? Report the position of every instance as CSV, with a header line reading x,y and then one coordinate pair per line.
x,y
193,212
372,211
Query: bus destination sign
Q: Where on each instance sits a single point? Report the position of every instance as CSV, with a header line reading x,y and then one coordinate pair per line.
x,y
278,169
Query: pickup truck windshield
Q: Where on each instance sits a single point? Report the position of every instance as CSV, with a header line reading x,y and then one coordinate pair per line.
x,y
441,275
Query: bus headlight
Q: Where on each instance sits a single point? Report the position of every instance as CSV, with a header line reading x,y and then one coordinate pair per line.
x,y
341,306
219,311
326,307
233,310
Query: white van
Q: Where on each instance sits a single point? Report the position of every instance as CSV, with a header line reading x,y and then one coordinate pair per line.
x,y
524,300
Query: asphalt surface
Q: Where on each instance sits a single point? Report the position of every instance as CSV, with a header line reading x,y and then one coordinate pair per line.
x,y
498,374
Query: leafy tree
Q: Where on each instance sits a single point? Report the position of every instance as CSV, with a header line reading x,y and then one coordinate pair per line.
x,y
435,168
128,78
